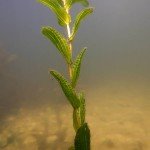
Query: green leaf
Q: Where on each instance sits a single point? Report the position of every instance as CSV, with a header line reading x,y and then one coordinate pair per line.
x,y
79,113
69,3
78,20
76,68
60,2
67,89
59,41
82,138
56,6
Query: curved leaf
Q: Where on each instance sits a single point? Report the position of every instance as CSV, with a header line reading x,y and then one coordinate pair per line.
x,y
59,41
67,89
76,68
79,114
78,20
82,139
55,5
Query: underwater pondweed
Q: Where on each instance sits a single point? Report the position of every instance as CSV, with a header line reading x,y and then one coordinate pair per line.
x,y
64,45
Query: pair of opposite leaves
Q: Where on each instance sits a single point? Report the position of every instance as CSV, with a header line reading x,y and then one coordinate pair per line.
x,y
59,9
63,17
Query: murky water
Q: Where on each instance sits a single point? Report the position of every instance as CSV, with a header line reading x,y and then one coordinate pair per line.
x,y
115,77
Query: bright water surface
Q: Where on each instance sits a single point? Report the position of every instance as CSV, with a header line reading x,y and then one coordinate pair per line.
x,y
34,114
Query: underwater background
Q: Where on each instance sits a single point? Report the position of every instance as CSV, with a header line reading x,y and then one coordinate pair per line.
x,y
115,76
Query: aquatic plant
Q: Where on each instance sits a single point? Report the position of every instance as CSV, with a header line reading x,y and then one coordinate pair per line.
x,y
61,9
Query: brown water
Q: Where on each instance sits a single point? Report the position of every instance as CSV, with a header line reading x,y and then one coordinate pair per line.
x,y
34,114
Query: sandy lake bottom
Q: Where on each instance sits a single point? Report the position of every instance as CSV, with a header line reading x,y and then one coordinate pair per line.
x,y
118,121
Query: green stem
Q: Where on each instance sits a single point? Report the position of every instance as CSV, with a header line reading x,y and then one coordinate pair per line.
x,y
70,44
78,117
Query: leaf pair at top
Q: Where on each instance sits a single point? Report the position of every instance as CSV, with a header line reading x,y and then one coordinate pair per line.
x,y
59,9
63,17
